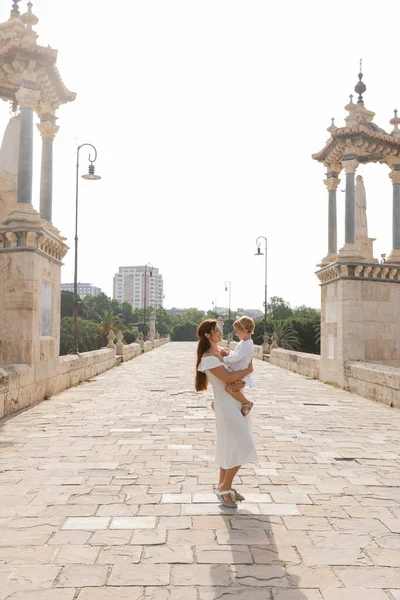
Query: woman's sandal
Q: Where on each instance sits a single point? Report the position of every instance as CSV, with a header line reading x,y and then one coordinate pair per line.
x,y
231,493
238,496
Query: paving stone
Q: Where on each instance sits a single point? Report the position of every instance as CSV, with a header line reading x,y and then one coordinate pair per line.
x,y
313,577
333,556
191,538
149,537
214,554
301,594
118,537
111,593
76,538
175,523
133,575
170,593
82,576
30,555
201,575
268,555
36,577
243,537
87,523
233,593
53,594
369,577
261,576
84,555
133,523
168,554
111,555
354,594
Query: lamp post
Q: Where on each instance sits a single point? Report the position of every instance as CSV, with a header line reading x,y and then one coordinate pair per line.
x,y
145,289
259,253
92,177
228,287
214,304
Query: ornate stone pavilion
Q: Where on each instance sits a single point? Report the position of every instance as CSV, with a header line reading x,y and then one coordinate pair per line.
x,y
31,248
360,313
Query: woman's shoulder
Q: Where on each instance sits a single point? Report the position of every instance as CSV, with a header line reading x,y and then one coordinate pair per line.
x,y
209,361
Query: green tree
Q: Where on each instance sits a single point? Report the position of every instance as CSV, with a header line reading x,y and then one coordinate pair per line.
x,y
87,335
193,315
306,312
67,304
184,332
279,309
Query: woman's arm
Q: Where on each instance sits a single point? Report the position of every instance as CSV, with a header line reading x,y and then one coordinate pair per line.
x,y
227,377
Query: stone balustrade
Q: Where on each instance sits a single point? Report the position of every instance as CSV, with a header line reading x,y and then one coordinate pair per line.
x,y
298,362
377,382
23,385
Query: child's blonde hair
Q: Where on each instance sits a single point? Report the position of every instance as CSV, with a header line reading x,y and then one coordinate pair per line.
x,y
245,324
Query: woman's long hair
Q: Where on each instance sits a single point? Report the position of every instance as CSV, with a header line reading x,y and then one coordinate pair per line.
x,y
203,346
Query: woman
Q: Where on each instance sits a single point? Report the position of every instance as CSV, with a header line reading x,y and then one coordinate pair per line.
x,y
235,444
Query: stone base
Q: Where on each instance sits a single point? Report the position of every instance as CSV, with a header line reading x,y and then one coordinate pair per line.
x,y
394,257
327,260
360,320
366,247
350,252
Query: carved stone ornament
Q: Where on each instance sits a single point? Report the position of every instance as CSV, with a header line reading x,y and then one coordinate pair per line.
x,y
111,338
332,183
350,166
48,129
27,98
395,176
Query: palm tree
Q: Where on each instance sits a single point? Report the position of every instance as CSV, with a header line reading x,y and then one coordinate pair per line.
x,y
285,335
110,321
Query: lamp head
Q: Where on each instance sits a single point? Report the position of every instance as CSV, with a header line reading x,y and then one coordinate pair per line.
x,y
259,253
91,174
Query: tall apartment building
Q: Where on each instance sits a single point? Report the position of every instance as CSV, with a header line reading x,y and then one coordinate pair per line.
x,y
129,285
84,289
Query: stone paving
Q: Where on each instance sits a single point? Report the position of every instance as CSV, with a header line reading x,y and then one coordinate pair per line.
x,y
107,493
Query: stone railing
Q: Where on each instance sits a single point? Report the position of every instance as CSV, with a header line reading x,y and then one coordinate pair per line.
x,y
298,362
377,382
23,385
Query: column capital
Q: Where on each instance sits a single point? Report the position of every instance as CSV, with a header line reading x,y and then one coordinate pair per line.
x,y
27,98
331,182
350,165
395,175
48,129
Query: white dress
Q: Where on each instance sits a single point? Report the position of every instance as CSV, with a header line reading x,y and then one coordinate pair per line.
x,y
235,445
240,358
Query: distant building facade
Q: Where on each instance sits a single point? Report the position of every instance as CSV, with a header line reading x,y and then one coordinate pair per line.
x,y
84,289
254,313
139,284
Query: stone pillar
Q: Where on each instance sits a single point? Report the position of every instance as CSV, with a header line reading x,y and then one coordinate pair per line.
x,y
394,256
350,166
350,249
27,100
332,181
48,130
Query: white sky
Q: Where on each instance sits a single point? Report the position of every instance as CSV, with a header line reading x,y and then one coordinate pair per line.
x,y
205,114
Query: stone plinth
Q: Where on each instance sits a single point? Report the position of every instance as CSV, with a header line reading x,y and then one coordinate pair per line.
x,y
360,317
30,284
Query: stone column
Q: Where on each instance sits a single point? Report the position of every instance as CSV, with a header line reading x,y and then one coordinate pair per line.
x,y
350,166
350,251
48,130
332,181
394,256
152,323
27,100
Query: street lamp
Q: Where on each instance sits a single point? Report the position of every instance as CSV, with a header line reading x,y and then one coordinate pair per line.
x,y
228,287
145,290
92,177
214,304
259,253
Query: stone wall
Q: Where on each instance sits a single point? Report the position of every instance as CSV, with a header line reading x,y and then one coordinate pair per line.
x,y
298,362
377,382
23,385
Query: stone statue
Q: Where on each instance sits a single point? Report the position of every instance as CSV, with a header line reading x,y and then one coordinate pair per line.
x,y
9,152
361,208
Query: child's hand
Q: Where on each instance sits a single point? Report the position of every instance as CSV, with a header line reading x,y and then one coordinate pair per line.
x,y
224,352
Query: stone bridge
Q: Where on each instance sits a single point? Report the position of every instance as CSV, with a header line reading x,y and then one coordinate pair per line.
x,y
107,492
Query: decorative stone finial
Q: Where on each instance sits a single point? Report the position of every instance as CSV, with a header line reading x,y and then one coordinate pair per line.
x,y
30,19
395,122
332,127
360,88
15,10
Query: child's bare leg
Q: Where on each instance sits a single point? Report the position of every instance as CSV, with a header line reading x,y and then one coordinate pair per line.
x,y
234,391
